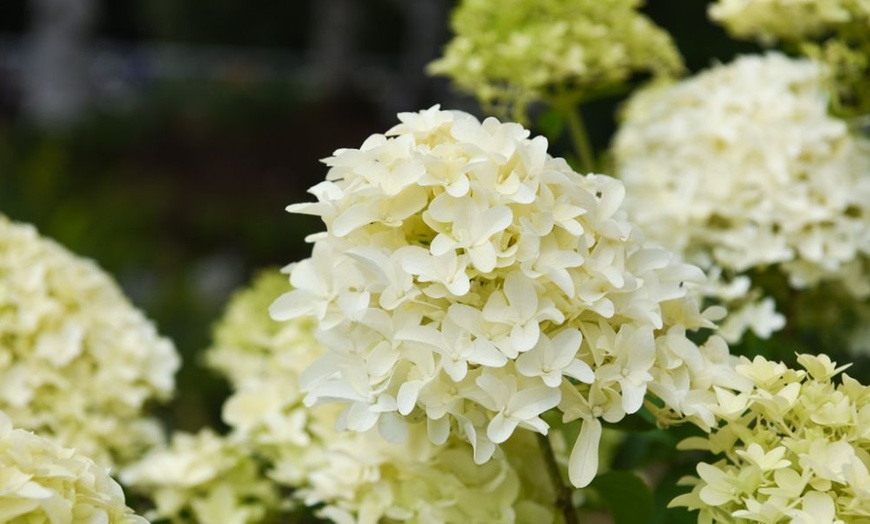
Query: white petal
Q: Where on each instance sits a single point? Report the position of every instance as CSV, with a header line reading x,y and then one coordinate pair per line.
x,y
407,397
524,337
583,462
441,244
393,428
486,354
581,371
483,257
529,363
455,369
521,293
438,429
632,396
293,304
354,218
491,222
501,428
529,403
360,417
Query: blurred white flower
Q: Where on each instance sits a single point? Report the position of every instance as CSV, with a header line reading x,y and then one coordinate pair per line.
x,y
78,363
772,20
203,478
741,168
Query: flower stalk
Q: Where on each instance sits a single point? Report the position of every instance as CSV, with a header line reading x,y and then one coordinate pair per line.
x,y
564,502
580,139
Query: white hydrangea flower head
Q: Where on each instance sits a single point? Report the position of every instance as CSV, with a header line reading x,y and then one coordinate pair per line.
x,y
468,279
203,478
741,168
789,20
78,363
794,448
592,45
44,483
834,32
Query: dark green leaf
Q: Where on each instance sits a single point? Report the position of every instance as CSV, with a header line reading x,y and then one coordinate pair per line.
x,y
551,123
627,496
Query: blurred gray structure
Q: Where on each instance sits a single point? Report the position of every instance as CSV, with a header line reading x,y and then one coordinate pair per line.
x,y
59,70
55,84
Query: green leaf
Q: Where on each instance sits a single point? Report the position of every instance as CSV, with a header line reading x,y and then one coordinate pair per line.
x,y
668,489
626,495
551,123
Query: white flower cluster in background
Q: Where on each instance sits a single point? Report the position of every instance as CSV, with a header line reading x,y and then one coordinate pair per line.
x,y
276,441
203,478
44,483
262,359
794,448
469,280
741,168
365,479
772,20
78,363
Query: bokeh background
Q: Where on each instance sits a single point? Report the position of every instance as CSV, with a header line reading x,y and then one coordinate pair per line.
x,y
163,138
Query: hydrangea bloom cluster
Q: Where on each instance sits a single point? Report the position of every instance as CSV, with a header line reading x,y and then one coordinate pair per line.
x,y
591,45
795,448
203,478
44,483
355,477
77,361
742,168
834,32
365,479
790,20
470,280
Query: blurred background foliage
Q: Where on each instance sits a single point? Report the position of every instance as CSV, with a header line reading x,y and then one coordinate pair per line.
x,y
199,122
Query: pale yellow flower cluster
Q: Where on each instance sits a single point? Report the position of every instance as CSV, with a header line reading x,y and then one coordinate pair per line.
x,y
263,359
44,483
78,363
517,51
790,20
796,448
364,479
470,280
276,442
836,32
741,168
203,479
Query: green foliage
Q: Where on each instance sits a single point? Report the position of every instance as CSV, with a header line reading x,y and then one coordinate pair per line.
x,y
627,496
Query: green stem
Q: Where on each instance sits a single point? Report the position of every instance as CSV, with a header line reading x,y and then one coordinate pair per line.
x,y
563,492
580,138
